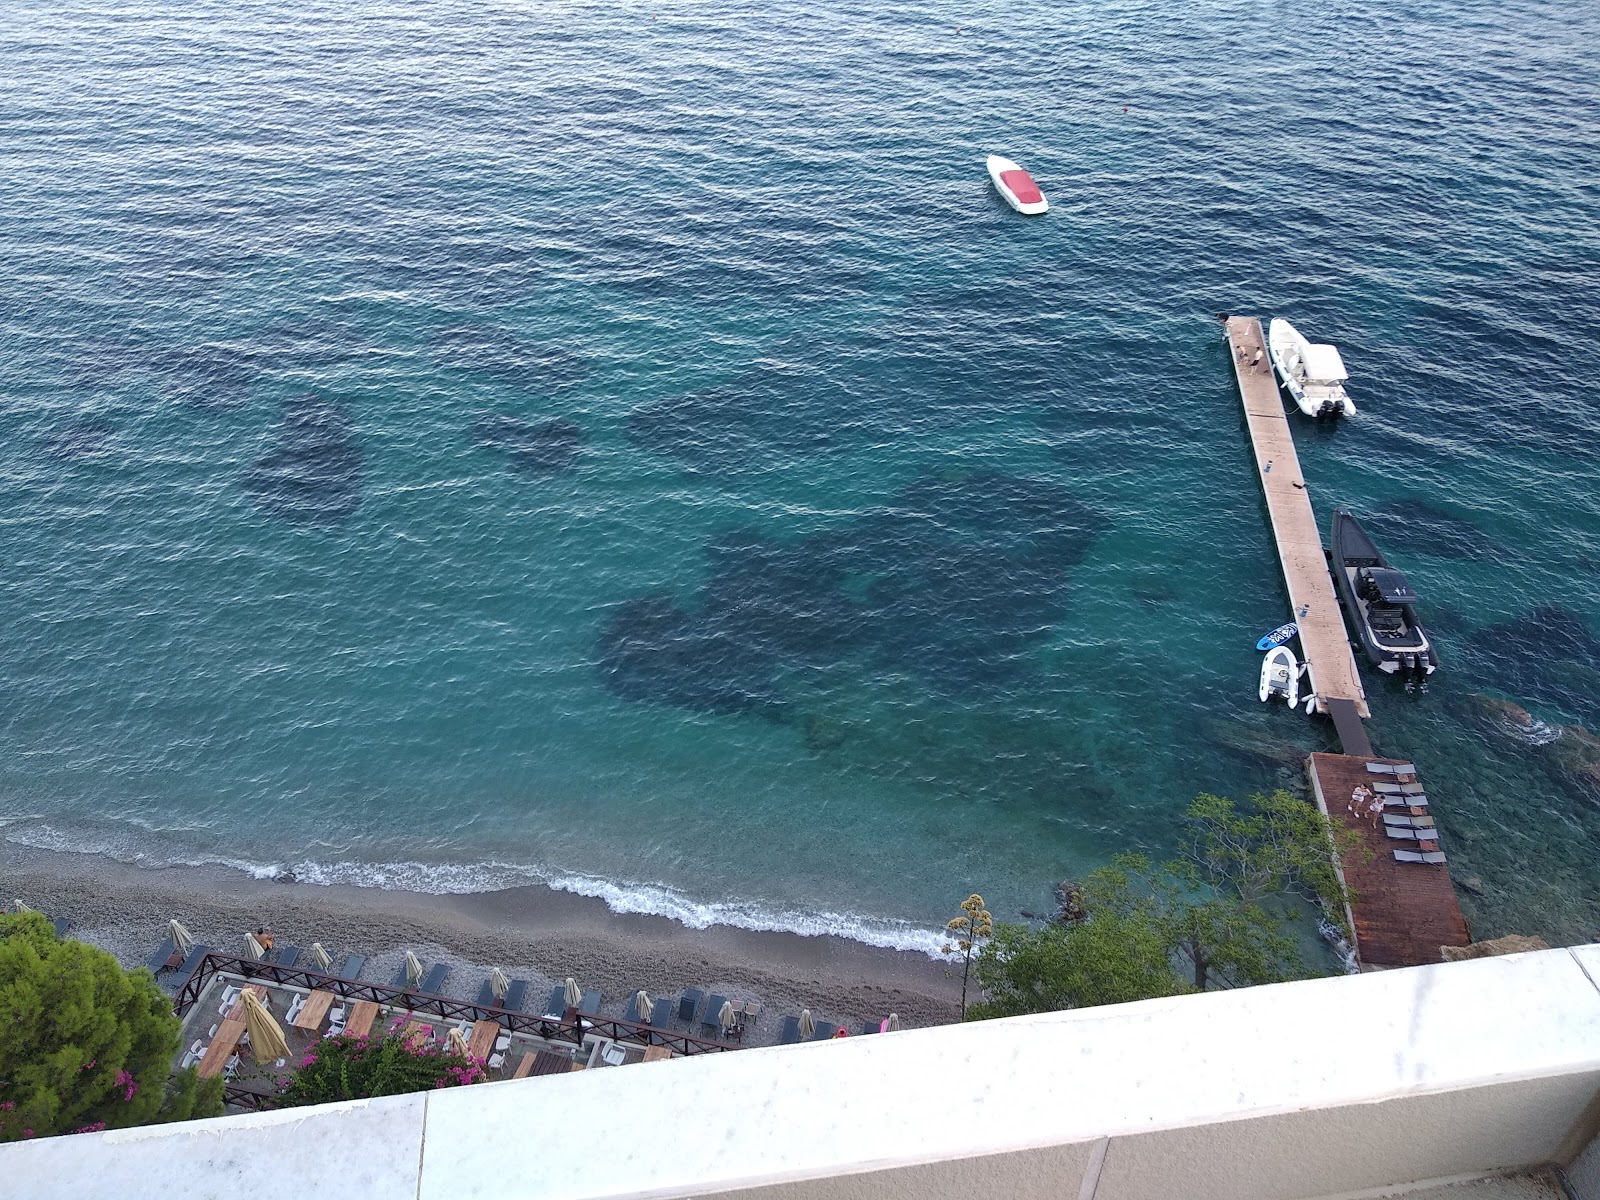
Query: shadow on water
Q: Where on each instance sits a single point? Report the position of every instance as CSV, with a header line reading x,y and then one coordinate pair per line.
x,y
1550,655
88,437
313,476
953,584
534,448
1412,524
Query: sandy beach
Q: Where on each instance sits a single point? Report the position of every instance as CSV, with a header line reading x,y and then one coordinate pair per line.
x,y
531,932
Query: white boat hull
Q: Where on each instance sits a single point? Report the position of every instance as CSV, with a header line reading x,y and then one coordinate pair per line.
x,y
1315,396
1031,204
1280,676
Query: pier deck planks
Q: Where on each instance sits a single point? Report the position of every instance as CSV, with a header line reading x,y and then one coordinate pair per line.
x,y
1323,641
1402,912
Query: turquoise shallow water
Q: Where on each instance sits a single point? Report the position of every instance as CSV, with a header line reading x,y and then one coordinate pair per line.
x,y
448,445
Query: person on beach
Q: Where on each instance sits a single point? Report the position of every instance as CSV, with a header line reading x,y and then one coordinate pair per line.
x,y
1256,361
264,936
1358,801
1376,809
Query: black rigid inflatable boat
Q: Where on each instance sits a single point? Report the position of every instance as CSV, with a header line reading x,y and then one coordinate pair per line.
x,y
1378,602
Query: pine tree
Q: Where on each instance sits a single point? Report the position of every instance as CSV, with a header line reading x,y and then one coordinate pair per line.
x,y
84,1044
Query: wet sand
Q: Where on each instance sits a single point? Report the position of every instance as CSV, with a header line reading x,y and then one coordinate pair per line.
x,y
531,932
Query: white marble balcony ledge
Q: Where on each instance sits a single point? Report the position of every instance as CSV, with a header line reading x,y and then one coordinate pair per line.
x,y
1323,1088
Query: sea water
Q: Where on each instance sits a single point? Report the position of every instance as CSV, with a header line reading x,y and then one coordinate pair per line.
x,y
632,447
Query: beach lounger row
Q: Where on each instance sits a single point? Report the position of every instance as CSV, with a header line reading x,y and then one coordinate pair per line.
x,y
1378,768
513,1000
1407,821
1415,856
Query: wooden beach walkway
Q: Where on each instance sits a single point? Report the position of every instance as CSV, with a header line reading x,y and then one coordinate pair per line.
x,y
1401,912
1325,647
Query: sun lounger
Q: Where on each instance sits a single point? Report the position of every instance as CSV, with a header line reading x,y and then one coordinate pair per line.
x,y
288,956
1387,789
193,961
165,957
556,1006
590,1005
1403,768
789,1031
690,1004
1412,789
825,1030
1414,856
1380,768
872,1027
62,924
353,967
486,996
1403,832
1405,802
433,981
713,1007
514,995
661,1013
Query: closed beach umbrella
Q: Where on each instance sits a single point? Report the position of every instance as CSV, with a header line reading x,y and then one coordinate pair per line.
x,y
808,1024
321,957
641,1005
257,950
892,1024
499,983
413,970
21,907
725,1015
574,996
455,1043
266,1039
180,937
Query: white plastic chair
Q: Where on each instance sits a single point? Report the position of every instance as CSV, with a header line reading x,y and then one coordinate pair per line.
x,y
502,1042
496,1060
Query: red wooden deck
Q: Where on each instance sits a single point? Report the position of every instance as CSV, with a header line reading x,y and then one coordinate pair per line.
x,y
1402,912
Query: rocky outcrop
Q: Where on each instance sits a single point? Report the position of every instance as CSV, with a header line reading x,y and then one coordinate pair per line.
x,y
1512,943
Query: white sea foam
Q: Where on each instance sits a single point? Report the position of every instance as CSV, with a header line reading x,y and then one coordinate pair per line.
x,y
649,899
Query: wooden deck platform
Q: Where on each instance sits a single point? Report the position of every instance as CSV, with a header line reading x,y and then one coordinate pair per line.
x,y
1402,913
1325,646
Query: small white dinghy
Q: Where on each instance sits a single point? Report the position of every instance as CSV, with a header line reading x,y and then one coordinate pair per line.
x,y
1016,187
1280,676
1313,372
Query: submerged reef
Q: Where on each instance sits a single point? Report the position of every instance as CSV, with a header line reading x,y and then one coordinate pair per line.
x,y
953,582
313,475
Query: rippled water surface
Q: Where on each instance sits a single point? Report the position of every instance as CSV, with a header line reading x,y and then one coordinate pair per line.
x,y
447,443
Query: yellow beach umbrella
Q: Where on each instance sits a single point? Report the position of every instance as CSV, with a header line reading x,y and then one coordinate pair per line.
x,y
641,1005
499,983
257,950
181,937
455,1043
321,957
808,1024
892,1024
725,1015
266,1038
574,994
413,970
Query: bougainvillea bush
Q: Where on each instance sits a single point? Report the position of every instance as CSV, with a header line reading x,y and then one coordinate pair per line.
x,y
348,1067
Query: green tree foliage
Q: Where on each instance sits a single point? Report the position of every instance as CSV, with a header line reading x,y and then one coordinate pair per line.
x,y
84,1044
1221,915
189,1097
354,1068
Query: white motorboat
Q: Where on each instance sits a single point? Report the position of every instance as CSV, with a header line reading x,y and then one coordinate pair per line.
x,y
1312,371
1280,676
1016,187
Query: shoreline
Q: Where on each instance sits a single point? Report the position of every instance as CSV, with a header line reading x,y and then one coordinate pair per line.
x,y
531,931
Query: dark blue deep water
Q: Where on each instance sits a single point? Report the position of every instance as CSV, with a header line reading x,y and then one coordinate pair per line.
x,y
451,444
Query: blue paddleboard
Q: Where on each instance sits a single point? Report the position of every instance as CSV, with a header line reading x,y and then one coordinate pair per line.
x,y
1280,635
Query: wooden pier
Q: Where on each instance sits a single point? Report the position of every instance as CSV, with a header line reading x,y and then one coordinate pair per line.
x,y
1400,912
1325,647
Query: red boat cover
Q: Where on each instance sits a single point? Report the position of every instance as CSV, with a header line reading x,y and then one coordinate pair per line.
x,y
1022,186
